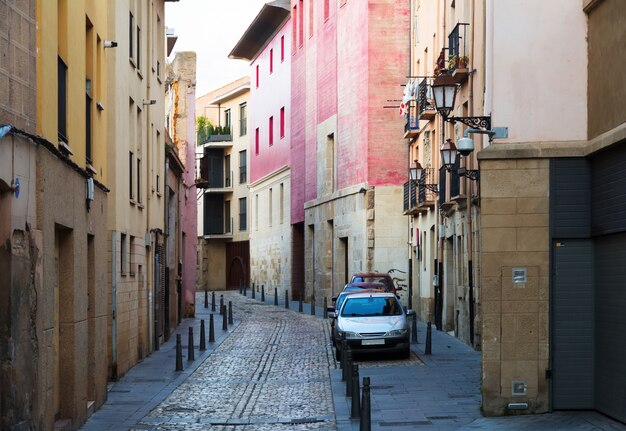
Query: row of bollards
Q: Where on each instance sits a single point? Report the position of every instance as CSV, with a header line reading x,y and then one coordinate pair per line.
x,y
360,406
227,318
242,291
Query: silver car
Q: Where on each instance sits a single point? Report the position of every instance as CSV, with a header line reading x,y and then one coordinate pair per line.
x,y
373,322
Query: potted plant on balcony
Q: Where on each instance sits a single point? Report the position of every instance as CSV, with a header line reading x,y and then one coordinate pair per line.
x,y
463,62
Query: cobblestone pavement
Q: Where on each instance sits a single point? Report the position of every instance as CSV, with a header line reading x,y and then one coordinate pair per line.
x,y
271,373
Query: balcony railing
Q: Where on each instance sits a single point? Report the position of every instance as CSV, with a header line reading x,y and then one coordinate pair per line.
x,y
412,125
420,195
425,107
458,61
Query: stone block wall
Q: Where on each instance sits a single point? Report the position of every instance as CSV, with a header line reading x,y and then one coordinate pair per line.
x,y
515,326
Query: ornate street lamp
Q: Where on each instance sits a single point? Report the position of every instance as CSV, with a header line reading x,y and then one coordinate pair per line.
x,y
444,92
416,172
448,154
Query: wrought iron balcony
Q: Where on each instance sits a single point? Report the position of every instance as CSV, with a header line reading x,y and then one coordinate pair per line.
x,y
458,61
412,126
425,105
420,195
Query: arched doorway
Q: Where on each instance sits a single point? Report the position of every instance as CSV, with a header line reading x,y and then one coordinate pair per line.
x,y
236,274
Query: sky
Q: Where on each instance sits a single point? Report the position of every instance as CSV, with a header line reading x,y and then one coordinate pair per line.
x,y
211,28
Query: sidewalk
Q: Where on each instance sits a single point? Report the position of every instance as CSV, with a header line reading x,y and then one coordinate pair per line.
x,y
443,393
149,382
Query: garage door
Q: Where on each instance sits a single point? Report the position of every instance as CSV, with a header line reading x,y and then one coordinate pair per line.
x,y
572,324
610,325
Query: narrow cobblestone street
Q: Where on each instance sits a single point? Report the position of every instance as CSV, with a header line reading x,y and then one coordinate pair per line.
x,y
271,373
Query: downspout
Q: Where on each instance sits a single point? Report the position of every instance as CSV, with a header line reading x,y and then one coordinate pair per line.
x,y
440,226
181,245
166,236
468,184
408,162
114,305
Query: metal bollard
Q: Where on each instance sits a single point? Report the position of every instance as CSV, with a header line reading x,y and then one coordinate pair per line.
x,y
347,363
202,336
179,354
221,303
262,293
312,305
350,365
253,292
428,348
190,353
275,296
366,413
355,411
342,357
224,319
212,301
300,304
230,312
206,299
287,299
414,329
211,330
325,308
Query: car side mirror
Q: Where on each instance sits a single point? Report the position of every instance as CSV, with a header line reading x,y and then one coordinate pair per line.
x,y
330,309
332,315
410,312
334,299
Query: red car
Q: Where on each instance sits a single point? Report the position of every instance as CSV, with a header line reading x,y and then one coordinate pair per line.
x,y
377,277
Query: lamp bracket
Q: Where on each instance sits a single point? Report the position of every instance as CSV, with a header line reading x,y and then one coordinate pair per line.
x,y
483,123
472,174
432,187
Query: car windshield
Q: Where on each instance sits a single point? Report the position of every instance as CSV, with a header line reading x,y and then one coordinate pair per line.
x,y
371,306
340,300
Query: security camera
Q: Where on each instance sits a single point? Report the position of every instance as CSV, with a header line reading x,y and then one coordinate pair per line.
x,y
149,102
110,44
465,146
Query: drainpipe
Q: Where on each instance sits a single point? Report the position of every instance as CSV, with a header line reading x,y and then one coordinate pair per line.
x,y
114,305
166,236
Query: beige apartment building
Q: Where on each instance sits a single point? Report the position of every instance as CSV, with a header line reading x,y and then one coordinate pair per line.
x,y
53,200
446,39
136,170
547,244
222,182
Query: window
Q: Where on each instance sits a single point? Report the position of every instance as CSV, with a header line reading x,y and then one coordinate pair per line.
x,y
257,76
271,131
256,211
269,205
88,121
282,48
227,221
138,174
227,171
271,60
256,141
131,248
326,10
301,24
294,29
227,120
243,168
123,261
282,122
131,26
282,202
138,48
62,99
311,20
243,216
243,119
130,175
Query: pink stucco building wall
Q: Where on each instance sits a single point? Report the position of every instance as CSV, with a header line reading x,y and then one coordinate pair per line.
x,y
266,100
350,65
190,205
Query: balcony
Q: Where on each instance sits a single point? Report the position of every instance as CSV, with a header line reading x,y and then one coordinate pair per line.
x,y
412,127
425,106
458,61
225,233
211,175
417,197
218,137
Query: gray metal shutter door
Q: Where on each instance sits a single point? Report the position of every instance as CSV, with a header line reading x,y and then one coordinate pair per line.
x,y
572,323
610,321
